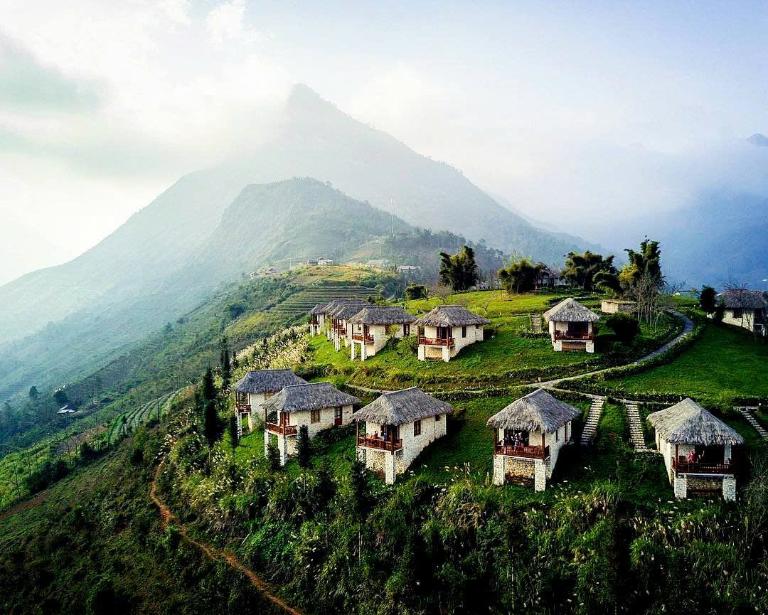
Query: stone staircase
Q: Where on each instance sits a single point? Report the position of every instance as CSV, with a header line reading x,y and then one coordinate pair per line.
x,y
636,433
593,418
746,412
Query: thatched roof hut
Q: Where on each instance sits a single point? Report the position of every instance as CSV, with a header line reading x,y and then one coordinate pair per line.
x,y
309,396
318,309
400,407
537,411
267,381
688,423
743,299
346,308
451,316
378,315
570,310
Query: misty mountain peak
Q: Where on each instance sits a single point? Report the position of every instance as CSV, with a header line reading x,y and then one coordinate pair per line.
x,y
303,101
758,139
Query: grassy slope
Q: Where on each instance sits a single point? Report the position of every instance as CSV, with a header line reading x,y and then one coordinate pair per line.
x,y
724,363
94,543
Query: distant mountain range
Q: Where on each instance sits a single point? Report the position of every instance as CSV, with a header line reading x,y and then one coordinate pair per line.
x,y
202,231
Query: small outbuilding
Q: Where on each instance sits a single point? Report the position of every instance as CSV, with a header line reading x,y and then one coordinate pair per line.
x,y
697,448
572,326
445,330
528,436
745,308
317,405
372,326
253,389
614,306
397,427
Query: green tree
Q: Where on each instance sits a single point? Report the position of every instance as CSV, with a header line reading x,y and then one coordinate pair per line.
x,y
33,393
459,271
60,396
708,299
226,366
581,269
415,291
208,388
361,497
273,457
520,275
211,423
302,447
233,439
645,262
624,326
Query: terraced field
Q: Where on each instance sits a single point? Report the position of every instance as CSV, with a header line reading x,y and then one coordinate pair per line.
x,y
126,423
303,301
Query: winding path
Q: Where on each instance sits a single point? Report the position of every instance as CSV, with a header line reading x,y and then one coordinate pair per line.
x,y
215,554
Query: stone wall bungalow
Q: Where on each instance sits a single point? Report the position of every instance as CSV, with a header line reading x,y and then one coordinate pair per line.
x,y
372,326
445,330
339,316
572,326
253,389
397,427
528,436
317,405
697,448
745,308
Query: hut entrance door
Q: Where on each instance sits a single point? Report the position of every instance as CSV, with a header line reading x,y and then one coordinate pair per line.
x,y
443,333
337,416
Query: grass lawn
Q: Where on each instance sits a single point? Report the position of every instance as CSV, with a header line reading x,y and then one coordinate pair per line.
x,y
724,363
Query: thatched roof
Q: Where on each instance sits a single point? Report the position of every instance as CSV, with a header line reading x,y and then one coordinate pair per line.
x,y
309,396
743,299
451,316
688,423
318,309
537,411
267,381
400,407
375,315
570,310
346,308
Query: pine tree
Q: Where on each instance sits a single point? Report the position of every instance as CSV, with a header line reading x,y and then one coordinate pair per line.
x,y
33,393
302,447
358,482
273,457
707,299
234,440
211,423
209,388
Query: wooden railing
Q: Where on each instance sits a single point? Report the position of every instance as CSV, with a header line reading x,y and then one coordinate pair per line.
x,y
436,341
379,443
564,335
687,467
359,337
529,452
283,430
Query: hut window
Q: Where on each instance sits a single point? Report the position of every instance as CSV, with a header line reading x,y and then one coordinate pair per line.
x,y
737,313
417,428
557,435
406,330
315,416
438,417
463,332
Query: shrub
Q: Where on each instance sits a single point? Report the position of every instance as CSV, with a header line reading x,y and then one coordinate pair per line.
x,y
415,291
625,326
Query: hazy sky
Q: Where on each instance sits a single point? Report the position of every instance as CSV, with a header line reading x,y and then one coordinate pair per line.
x,y
577,109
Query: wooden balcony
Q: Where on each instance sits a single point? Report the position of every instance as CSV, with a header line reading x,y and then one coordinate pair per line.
x,y
359,337
281,430
528,452
379,443
448,342
686,467
574,337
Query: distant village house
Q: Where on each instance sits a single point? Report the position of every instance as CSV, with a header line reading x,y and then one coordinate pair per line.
x,y
445,330
397,427
528,436
614,306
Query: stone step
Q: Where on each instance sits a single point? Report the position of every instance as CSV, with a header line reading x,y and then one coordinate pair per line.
x,y
636,432
746,412
590,425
